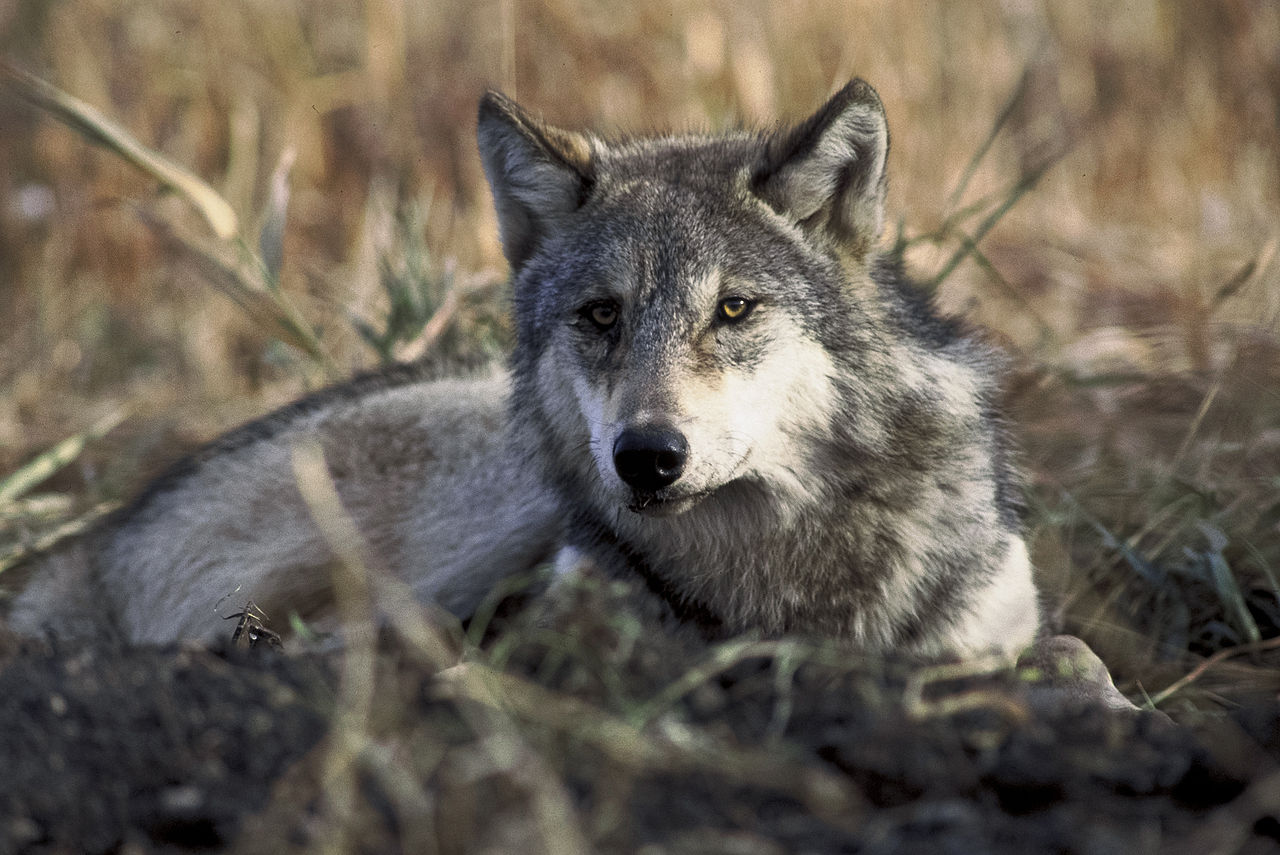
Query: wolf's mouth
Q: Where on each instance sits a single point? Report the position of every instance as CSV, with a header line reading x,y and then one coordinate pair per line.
x,y
670,502
660,505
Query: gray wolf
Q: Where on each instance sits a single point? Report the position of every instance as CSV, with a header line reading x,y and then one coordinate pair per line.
x,y
721,387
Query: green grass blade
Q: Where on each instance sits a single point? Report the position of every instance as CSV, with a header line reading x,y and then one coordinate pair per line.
x,y
1018,190
1225,583
45,465
22,551
971,169
270,308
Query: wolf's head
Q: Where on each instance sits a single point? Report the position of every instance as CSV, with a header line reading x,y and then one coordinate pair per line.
x,y
682,302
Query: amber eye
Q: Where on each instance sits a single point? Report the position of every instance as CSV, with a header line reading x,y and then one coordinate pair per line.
x,y
603,315
734,308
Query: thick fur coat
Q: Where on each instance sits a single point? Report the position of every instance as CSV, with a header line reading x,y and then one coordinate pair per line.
x,y
720,387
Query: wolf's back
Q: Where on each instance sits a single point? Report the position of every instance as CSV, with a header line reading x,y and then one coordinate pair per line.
x,y
424,469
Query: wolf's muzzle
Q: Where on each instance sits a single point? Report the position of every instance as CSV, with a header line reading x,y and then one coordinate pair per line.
x,y
650,457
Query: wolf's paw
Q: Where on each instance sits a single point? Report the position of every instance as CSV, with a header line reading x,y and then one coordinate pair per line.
x,y
1062,670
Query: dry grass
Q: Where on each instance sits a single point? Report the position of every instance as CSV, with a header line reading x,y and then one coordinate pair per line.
x,y
1137,284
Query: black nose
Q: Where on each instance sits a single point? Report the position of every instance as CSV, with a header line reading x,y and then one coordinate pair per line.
x,y
651,457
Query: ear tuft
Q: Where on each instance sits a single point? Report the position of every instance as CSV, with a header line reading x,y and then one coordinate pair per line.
x,y
538,173
828,173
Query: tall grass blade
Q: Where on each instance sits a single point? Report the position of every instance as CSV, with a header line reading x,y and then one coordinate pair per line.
x,y
22,551
275,215
1245,275
1225,583
1024,185
97,128
269,308
46,464
974,162
1153,574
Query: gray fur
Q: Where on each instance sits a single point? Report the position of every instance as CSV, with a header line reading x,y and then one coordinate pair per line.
x,y
840,464
847,473
423,466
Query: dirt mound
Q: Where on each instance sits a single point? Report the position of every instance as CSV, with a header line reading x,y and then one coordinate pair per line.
x,y
602,736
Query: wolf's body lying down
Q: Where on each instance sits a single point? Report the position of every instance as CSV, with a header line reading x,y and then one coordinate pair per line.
x,y
719,386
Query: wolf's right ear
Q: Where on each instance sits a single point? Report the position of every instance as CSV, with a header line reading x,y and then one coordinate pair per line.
x,y
828,173
538,173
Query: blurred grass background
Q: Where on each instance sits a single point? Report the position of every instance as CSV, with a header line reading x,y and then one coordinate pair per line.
x,y
1136,286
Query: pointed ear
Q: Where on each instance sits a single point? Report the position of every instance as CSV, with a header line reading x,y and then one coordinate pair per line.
x,y
828,173
538,173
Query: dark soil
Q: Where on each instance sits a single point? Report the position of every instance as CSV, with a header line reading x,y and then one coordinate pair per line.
x,y
778,751
157,748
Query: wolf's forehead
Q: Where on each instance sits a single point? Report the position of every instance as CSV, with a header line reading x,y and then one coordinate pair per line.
x,y
668,225
690,160
670,214
653,235
650,237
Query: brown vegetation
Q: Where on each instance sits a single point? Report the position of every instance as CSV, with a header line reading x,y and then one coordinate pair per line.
x,y
1137,284
1117,166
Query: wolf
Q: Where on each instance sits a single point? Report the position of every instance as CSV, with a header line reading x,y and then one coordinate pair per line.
x,y
722,388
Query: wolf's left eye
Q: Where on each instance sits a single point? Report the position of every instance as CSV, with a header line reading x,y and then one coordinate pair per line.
x,y
603,314
734,308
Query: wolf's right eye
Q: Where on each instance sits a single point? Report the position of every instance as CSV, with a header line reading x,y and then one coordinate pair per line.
x,y
734,308
603,315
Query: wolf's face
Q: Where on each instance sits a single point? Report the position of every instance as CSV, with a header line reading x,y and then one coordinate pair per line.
x,y
680,299
679,337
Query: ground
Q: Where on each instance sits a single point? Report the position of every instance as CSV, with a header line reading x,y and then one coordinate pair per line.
x,y
601,735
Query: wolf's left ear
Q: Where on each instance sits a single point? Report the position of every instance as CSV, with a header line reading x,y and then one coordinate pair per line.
x,y
538,173
828,173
